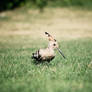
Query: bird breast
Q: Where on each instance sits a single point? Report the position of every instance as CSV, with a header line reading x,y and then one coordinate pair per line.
x,y
47,53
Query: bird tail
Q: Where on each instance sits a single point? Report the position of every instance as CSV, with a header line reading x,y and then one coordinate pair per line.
x,y
34,55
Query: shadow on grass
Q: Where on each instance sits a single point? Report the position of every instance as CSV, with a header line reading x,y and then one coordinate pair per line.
x,y
45,63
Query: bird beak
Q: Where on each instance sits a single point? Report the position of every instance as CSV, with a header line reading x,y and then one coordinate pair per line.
x,y
61,53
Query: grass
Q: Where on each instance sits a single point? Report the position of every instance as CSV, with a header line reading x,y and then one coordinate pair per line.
x,y
22,35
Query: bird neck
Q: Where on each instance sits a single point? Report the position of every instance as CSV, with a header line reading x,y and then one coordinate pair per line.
x,y
51,48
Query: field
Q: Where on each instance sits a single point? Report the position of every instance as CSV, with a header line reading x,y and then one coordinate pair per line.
x,y
22,33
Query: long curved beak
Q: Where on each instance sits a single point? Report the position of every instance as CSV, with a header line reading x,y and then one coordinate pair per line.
x,y
61,53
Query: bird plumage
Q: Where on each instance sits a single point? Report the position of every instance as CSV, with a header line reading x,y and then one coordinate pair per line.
x,y
48,53
44,55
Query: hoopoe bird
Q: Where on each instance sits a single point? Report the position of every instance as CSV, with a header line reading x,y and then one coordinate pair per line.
x,y
48,53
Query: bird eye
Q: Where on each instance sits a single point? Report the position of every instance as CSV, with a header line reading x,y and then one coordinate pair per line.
x,y
54,44
55,40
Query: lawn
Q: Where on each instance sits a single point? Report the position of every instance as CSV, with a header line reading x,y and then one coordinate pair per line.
x,y
22,33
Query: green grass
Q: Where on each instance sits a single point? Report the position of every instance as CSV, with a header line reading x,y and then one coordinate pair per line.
x,y
18,73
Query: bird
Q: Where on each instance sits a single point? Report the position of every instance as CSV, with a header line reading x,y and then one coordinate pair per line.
x,y
47,54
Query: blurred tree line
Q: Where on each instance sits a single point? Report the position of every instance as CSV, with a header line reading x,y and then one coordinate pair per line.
x,y
11,4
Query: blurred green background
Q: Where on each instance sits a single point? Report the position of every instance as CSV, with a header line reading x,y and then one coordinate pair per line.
x,y
11,4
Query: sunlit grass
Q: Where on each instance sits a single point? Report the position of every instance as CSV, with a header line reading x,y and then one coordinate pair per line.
x,y
18,72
